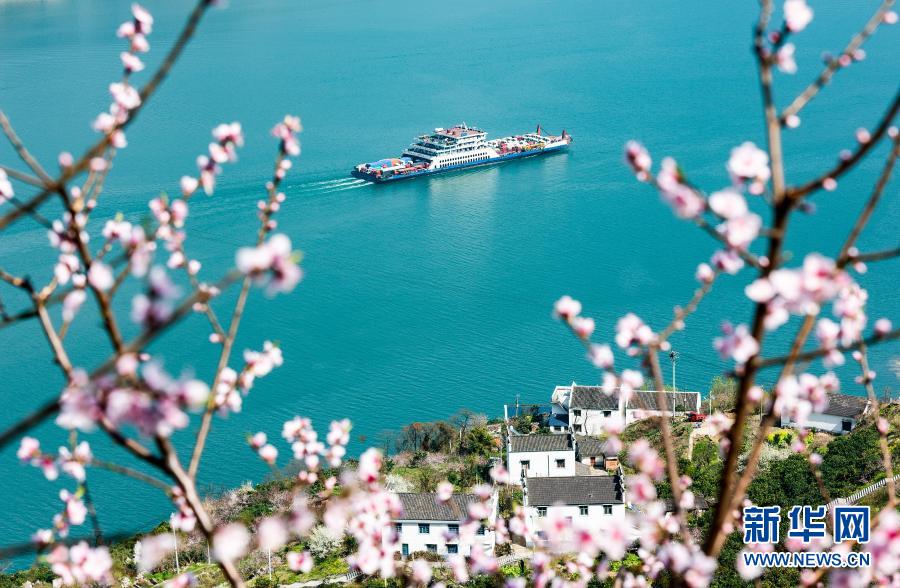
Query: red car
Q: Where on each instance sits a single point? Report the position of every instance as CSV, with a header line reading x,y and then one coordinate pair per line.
x,y
696,417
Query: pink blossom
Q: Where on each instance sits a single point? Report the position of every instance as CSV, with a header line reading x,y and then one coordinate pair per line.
x,y
258,440
272,533
640,489
646,459
230,542
797,14
736,343
638,158
29,448
78,405
630,380
300,561
444,492
125,96
261,363
272,262
728,203
81,564
890,17
189,185
421,572
740,231
6,189
370,465
631,330
583,326
100,276
704,273
784,59
601,356
727,261
73,462
883,327
567,308
287,131
749,163
75,510
681,197
153,549
131,62
268,453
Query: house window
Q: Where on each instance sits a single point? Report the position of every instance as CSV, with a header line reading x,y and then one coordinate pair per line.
x,y
452,548
846,425
560,463
431,548
577,428
453,529
542,511
607,509
583,510
405,549
481,530
398,527
607,413
576,412
424,528
525,464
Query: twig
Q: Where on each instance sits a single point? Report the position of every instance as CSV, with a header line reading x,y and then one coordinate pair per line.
x,y
26,156
882,434
682,313
834,64
231,336
132,473
878,255
98,148
21,176
821,351
845,164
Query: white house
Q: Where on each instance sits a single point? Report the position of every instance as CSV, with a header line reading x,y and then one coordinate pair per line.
x,y
589,408
539,456
595,499
842,415
429,526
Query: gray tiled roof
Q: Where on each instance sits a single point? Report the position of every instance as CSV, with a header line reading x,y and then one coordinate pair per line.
x,y
550,442
592,447
573,490
846,405
647,400
593,398
423,506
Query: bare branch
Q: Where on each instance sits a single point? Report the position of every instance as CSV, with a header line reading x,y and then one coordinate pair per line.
x,y
846,164
834,63
26,156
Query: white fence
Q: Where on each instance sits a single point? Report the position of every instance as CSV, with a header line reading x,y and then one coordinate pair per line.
x,y
857,496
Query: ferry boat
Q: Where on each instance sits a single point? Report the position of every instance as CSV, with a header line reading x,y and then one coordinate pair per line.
x,y
458,147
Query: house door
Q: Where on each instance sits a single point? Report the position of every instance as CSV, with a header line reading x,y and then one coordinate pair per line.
x,y
846,425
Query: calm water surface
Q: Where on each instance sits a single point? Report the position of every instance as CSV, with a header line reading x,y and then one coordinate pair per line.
x,y
426,296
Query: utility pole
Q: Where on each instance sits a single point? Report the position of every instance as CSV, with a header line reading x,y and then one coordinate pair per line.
x,y
673,355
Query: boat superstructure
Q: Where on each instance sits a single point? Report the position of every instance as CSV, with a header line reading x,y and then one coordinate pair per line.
x,y
458,147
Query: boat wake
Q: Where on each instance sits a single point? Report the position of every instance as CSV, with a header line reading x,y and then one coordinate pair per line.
x,y
334,185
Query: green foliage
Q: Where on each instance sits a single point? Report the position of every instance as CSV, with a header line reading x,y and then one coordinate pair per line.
x,y
852,461
479,441
786,483
780,438
723,391
705,467
509,497
39,573
255,510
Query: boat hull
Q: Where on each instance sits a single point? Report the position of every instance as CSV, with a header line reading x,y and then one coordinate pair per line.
x,y
451,168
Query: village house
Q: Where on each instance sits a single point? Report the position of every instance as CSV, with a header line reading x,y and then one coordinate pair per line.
x,y
596,454
593,498
539,456
588,409
429,526
842,415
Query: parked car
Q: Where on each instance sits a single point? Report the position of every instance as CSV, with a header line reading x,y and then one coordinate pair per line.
x,y
696,417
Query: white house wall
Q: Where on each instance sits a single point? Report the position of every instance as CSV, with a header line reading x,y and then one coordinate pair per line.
x,y
542,464
437,535
822,422
594,516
